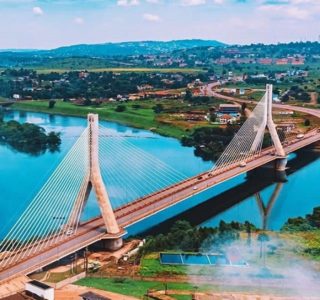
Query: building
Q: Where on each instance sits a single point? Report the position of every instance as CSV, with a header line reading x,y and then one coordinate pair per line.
x,y
265,61
229,108
39,290
286,127
282,61
226,119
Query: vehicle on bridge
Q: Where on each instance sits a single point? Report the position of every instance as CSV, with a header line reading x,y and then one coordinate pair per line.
x,y
242,164
300,136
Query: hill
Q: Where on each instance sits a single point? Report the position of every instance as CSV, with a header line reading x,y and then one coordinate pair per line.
x,y
101,52
131,48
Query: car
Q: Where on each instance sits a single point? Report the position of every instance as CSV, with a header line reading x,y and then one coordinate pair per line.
x,y
195,187
199,178
242,164
300,136
69,232
210,175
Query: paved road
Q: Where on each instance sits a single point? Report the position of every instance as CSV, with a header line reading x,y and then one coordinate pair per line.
x,y
93,231
211,92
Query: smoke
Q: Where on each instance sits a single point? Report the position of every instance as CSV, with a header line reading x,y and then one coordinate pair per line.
x,y
273,267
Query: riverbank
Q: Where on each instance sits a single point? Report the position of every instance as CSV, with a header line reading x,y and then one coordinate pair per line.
x,y
139,114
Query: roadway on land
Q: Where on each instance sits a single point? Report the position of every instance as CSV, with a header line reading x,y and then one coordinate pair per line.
x,y
210,90
93,231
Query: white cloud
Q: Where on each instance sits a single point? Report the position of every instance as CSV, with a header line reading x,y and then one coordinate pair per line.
x,y
192,2
297,13
128,2
78,20
37,11
293,12
151,17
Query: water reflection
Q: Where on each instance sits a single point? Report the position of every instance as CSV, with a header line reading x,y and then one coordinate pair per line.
x,y
259,199
265,210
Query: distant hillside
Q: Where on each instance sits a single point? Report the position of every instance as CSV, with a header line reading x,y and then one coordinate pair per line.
x,y
20,58
114,49
129,48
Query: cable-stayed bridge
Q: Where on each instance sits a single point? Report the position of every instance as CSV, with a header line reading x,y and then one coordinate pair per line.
x,y
50,227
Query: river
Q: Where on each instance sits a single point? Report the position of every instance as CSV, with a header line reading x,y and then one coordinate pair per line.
x,y
239,199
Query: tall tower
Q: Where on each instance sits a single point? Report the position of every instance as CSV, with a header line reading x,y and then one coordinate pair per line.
x,y
270,124
267,122
96,182
281,162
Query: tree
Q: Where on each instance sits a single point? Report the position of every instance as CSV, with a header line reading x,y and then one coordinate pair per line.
x,y
136,106
120,108
307,122
285,98
213,118
52,103
158,108
188,95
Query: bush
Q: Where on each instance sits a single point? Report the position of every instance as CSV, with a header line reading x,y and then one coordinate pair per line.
x,y
120,108
52,103
306,122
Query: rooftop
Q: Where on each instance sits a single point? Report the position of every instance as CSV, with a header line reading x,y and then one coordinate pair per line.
x,y
229,105
40,284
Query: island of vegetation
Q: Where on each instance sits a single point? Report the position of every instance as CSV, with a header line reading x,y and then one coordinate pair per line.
x,y
28,138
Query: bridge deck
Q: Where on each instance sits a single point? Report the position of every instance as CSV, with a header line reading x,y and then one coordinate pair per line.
x,y
93,230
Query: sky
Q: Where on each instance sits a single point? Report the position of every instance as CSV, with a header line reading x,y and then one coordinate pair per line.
x,y
47,24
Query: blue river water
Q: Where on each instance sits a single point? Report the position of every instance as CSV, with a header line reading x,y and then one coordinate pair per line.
x,y
22,176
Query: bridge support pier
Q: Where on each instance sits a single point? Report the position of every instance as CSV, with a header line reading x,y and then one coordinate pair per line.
x,y
280,169
112,244
281,164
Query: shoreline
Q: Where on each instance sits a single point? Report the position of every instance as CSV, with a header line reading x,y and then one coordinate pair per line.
x,y
82,112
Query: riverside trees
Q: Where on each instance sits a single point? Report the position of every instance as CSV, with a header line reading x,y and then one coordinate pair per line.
x,y
28,138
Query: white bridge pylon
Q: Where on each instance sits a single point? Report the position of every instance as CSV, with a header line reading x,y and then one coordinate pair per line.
x,y
268,123
95,178
248,141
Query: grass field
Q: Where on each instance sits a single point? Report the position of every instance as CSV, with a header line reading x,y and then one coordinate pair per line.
x,y
136,288
151,266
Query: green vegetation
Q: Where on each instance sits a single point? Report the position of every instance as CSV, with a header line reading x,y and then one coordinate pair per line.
x,y
95,69
139,288
150,266
90,86
307,233
28,138
143,117
210,142
136,288
310,222
185,237
182,297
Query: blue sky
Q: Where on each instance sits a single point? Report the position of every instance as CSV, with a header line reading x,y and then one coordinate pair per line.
x,y
53,23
